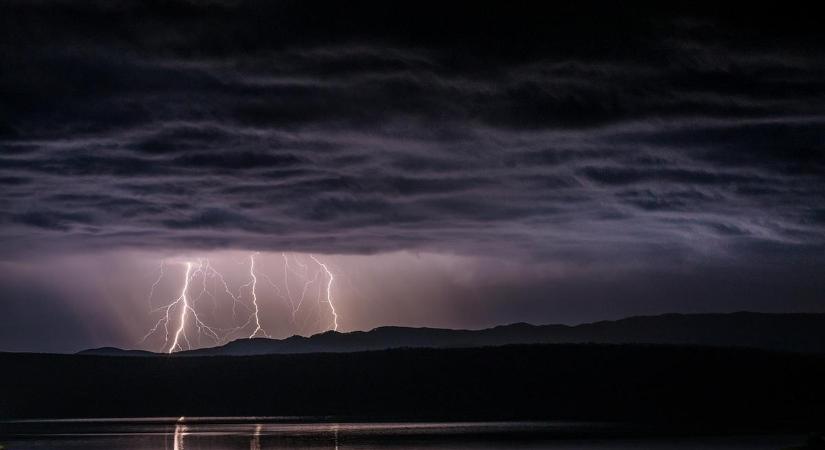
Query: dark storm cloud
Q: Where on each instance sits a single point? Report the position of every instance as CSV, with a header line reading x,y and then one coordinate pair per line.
x,y
55,220
576,134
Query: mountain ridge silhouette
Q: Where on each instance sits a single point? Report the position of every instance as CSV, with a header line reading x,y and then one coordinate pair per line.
x,y
796,332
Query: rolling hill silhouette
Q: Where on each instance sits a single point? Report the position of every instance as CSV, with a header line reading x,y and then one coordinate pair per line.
x,y
783,332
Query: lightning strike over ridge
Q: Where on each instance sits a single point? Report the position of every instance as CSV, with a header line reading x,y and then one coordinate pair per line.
x,y
183,309
330,279
185,313
258,328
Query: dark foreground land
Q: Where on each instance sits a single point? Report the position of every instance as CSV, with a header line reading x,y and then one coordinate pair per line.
x,y
667,385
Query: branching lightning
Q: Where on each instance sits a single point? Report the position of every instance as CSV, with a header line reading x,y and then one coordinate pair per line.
x,y
155,284
258,328
330,280
286,281
184,307
183,310
183,315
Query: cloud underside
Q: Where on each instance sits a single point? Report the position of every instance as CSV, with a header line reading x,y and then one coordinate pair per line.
x,y
139,130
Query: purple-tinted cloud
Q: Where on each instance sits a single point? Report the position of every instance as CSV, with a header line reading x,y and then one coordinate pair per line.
x,y
682,144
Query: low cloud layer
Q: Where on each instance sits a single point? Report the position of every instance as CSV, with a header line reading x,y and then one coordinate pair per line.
x,y
466,165
656,137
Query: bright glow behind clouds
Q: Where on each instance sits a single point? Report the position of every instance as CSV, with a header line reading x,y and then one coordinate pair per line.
x,y
70,302
118,298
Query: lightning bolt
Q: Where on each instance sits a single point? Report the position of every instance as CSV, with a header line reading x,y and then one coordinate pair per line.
x,y
235,299
303,295
181,314
330,280
294,306
286,283
258,328
183,310
155,284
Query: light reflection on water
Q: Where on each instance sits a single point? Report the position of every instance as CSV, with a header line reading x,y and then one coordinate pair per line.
x,y
237,433
180,433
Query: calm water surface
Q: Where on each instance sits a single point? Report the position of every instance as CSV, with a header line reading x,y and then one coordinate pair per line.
x,y
269,433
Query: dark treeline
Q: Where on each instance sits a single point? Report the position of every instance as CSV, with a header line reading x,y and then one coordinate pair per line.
x,y
578,382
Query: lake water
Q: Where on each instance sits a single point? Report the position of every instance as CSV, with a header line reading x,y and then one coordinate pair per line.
x,y
286,433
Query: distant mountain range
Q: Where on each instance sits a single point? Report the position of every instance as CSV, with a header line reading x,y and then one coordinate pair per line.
x,y
784,332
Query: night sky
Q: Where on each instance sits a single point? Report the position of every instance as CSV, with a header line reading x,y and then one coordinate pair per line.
x,y
455,165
